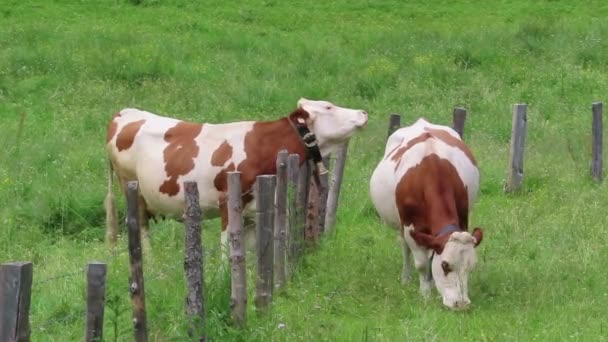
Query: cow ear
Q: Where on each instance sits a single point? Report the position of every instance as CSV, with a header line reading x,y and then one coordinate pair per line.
x,y
427,241
477,235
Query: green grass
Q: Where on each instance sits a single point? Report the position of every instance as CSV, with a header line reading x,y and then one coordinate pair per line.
x,y
68,66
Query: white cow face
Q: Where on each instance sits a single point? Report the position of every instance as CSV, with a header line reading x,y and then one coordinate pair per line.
x,y
332,125
452,267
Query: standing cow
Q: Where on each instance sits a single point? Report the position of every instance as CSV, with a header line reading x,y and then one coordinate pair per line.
x,y
425,186
161,153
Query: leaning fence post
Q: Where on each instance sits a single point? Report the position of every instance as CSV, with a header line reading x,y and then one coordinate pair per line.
x,y
15,295
323,195
459,116
516,154
334,188
193,263
265,190
302,201
96,291
597,160
293,169
394,122
238,296
280,221
136,280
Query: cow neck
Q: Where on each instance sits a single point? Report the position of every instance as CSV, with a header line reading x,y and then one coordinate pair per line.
x,y
297,120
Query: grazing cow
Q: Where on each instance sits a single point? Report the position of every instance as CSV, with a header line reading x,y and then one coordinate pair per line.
x,y
425,186
161,153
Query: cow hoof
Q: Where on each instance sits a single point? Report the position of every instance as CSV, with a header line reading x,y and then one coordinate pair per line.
x,y
405,279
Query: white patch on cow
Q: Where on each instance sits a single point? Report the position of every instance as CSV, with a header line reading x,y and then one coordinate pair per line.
x,y
460,256
332,125
421,261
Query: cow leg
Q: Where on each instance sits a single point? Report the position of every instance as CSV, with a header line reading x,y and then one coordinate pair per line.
x,y
407,267
421,262
144,224
225,247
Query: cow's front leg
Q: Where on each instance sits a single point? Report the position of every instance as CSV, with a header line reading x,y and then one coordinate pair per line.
x,y
406,273
225,248
250,233
421,262
144,224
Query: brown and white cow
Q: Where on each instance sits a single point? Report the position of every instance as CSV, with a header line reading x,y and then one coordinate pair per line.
x,y
425,186
162,153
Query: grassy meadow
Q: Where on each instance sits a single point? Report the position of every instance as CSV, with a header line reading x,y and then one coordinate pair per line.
x,y
67,66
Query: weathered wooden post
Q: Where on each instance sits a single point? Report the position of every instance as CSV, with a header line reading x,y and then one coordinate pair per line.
x,y
597,161
15,295
193,263
96,292
516,154
334,188
394,122
136,280
238,297
323,195
293,170
265,190
312,229
459,116
301,205
280,221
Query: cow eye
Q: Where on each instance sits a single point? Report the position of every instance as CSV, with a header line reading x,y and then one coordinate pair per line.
x,y
446,267
328,107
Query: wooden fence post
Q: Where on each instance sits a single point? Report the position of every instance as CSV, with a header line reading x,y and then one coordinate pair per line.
x,y
293,170
96,292
394,123
516,154
301,204
323,195
334,188
597,129
136,280
459,116
280,221
311,230
15,296
193,263
238,297
265,190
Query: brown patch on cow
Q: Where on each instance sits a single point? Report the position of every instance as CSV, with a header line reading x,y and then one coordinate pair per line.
x,y
401,151
222,154
430,196
452,141
262,144
127,134
179,154
112,127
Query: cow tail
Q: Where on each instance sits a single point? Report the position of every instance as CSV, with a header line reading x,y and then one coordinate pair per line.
x,y
110,207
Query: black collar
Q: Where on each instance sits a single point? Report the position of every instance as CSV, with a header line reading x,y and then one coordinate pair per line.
x,y
313,153
450,228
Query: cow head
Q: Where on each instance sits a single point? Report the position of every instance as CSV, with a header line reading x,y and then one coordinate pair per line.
x,y
453,261
332,125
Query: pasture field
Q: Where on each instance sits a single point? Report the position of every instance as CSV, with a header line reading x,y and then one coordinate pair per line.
x,y
68,66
